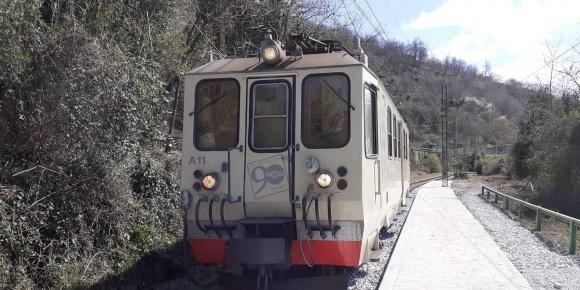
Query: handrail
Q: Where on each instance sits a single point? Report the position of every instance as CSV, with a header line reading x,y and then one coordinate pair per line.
x,y
574,223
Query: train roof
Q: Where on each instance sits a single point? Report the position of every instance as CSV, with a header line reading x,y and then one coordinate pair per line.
x,y
254,64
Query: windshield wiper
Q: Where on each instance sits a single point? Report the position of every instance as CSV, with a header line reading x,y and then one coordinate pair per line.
x,y
338,95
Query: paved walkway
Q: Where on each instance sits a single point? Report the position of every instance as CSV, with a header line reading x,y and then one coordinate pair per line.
x,y
443,246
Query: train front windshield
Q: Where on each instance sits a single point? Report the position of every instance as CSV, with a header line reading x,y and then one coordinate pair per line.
x,y
217,112
326,111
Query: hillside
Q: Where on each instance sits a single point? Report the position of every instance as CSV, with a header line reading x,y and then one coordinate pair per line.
x,y
482,106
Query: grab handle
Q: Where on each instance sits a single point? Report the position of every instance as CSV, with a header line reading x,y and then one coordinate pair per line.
x,y
201,200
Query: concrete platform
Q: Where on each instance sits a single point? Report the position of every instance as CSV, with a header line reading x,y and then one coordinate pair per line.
x,y
443,246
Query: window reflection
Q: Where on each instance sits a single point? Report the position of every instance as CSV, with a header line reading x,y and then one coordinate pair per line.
x,y
325,111
216,114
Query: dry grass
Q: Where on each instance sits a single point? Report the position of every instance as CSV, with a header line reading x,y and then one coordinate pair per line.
x,y
554,232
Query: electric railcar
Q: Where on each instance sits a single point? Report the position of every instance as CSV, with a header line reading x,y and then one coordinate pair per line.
x,y
296,157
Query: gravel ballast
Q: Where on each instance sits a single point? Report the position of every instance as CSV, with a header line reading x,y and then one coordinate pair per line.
x,y
542,267
368,276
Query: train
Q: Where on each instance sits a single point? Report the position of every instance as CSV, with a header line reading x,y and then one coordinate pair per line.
x,y
296,157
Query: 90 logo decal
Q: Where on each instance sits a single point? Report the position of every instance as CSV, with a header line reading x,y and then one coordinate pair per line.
x,y
268,176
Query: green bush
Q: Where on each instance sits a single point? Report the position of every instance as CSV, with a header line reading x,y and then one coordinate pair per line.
x,y
141,239
520,154
493,165
432,163
475,163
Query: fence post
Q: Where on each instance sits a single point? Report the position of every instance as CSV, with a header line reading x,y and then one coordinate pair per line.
x,y
521,210
539,216
482,190
488,194
572,241
507,203
495,195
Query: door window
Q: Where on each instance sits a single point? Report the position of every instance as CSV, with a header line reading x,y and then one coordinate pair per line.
x,y
269,120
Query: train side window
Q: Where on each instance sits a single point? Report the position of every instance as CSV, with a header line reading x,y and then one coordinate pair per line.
x,y
399,126
390,131
216,114
408,147
325,111
405,144
269,118
402,143
370,121
395,137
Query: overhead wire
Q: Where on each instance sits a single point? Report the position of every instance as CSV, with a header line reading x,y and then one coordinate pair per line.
x,y
376,18
396,20
551,61
378,31
386,39
354,29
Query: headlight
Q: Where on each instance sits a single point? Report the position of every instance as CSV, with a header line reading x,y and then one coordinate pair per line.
x,y
271,50
270,54
324,179
210,181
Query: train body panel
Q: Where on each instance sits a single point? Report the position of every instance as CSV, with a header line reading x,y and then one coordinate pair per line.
x,y
266,137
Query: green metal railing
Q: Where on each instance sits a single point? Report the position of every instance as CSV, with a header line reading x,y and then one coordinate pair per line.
x,y
540,213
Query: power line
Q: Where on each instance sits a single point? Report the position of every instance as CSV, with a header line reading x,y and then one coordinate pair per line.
x,y
386,39
397,21
376,18
551,61
368,20
350,18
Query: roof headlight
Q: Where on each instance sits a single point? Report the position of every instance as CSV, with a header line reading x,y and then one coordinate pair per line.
x,y
270,54
271,50
324,179
210,181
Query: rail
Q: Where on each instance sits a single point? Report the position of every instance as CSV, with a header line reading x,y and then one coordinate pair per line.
x,y
540,213
418,183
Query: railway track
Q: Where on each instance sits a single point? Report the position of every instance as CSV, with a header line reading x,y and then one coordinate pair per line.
x,y
416,184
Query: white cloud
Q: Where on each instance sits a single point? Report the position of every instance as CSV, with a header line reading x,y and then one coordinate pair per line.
x,y
510,34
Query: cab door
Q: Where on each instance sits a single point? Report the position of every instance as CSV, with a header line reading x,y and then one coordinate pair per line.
x,y
268,186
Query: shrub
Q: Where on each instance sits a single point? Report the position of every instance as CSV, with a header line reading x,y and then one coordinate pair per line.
x,y
475,163
521,152
493,165
141,239
432,163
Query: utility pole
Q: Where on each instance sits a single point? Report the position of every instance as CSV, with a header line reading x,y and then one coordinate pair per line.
x,y
454,136
444,136
455,162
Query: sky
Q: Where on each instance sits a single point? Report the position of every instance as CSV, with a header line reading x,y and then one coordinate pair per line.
x,y
512,35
